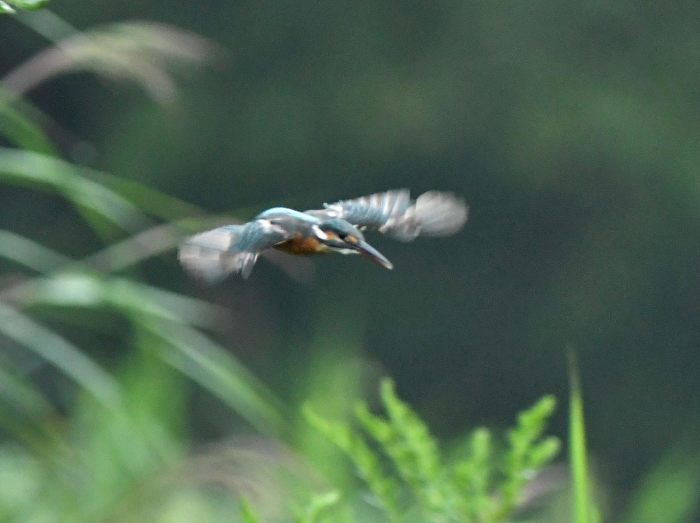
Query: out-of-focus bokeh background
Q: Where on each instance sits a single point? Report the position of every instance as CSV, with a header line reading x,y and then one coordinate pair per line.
x,y
571,128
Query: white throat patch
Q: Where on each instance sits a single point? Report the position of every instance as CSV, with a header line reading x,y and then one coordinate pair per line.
x,y
319,233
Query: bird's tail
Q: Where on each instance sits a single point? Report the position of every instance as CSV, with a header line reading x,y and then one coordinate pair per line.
x,y
211,256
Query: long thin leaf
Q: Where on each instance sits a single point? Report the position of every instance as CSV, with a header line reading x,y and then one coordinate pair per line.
x,y
137,248
17,391
142,52
147,198
59,352
29,253
22,131
216,370
55,138
41,171
10,6
582,508
76,289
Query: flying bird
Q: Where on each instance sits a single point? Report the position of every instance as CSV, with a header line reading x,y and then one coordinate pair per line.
x,y
336,228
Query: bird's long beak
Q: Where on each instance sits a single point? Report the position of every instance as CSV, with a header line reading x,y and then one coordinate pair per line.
x,y
366,250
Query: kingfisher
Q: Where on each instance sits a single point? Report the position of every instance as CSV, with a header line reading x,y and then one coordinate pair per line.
x,y
336,228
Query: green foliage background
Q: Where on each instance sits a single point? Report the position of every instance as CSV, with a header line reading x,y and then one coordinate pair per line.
x,y
571,128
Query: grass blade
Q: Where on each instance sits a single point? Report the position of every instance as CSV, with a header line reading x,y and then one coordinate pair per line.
x,y
219,372
19,393
29,253
248,515
142,52
146,198
60,353
75,289
582,508
37,170
23,132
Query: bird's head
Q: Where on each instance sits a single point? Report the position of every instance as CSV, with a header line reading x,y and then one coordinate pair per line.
x,y
343,237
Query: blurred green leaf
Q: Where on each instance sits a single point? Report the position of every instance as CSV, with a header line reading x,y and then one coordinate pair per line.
x,y
21,476
60,353
22,131
217,371
670,492
317,506
583,509
148,199
248,514
76,289
106,464
331,375
29,253
146,53
17,391
9,6
44,172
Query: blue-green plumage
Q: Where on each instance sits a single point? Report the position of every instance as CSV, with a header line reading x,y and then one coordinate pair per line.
x,y
337,227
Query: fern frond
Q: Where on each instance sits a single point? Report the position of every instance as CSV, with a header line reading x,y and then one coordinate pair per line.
x,y
525,456
413,451
420,484
542,453
317,506
473,475
410,427
366,461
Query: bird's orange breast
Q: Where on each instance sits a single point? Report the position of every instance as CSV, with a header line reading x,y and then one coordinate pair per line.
x,y
301,245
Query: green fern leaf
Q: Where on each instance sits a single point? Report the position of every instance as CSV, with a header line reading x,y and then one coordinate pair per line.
x,y
317,506
248,515
524,457
366,461
419,442
473,475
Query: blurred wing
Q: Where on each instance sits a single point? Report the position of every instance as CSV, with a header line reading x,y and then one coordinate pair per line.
x,y
367,212
433,213
212,255
395,214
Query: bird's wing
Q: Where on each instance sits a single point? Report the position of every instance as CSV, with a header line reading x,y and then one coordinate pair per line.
x,y
393,213
212,255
